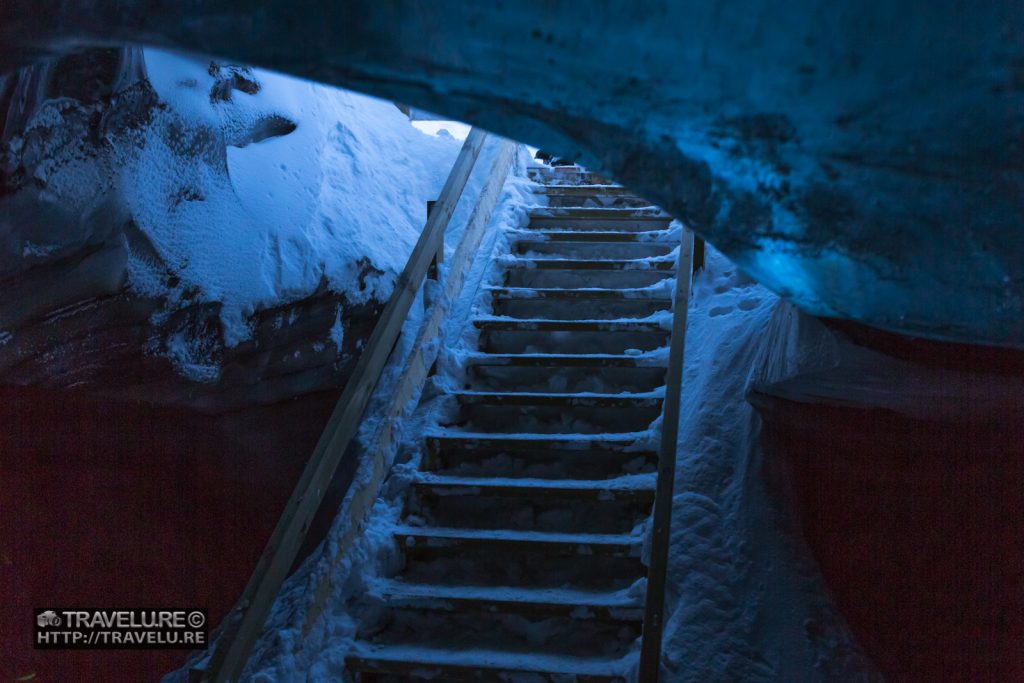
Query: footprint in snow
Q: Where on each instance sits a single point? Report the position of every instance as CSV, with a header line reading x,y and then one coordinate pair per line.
x,y
749,304
719,310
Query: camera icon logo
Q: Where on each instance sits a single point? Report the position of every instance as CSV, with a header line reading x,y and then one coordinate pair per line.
x,y
48,618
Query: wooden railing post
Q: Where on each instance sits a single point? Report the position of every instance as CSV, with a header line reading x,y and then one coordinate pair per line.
x,y
439,255
654,608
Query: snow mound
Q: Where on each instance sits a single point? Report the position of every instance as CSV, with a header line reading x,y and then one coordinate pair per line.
x,y
255,187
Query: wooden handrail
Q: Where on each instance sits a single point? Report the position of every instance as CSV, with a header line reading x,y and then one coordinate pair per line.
x,y
654,608
242,630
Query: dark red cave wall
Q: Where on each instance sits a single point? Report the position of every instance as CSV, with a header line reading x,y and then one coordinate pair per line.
x,y
917,526
111,504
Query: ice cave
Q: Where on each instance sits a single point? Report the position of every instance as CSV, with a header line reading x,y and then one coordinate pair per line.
x,y
530,342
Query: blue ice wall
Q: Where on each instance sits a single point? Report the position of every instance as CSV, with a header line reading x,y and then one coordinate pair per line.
x,y
860,157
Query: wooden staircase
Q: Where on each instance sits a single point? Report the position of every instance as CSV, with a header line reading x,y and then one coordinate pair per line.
x,y
523,527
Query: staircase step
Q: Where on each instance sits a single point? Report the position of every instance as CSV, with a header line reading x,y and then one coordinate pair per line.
x,y
601,236
595,293
594,219
567,506
584,190
595,213
560,400
435,664
618,443
641,224
548,458
563,195
593,250
547,325
574,360
555,303
632,488
646,264
565,175
411,538
576,604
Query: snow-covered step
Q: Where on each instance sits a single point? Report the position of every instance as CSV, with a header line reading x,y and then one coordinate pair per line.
x,y
583,190
642,264
599,213
620,442
593,248
587,335
531,335
575,304
547,459
546,335
640,224
595,199
550,417
557,455
537,273
573,603
413,539
579,360
522,565
610,236
599,219
560,400
660,294
410,663
629,488
547,325
566,175
604,243
547,412
614,505
567,372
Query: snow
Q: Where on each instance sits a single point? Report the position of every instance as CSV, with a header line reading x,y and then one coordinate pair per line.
x,y
655,393
631,482
191,359
455,129
488,659
263,225
580,440
744,602
440,535
654,358
552,596
337,331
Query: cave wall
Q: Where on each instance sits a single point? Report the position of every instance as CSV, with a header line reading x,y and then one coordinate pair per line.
x,y
861,158
901,464
119,503
143,459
